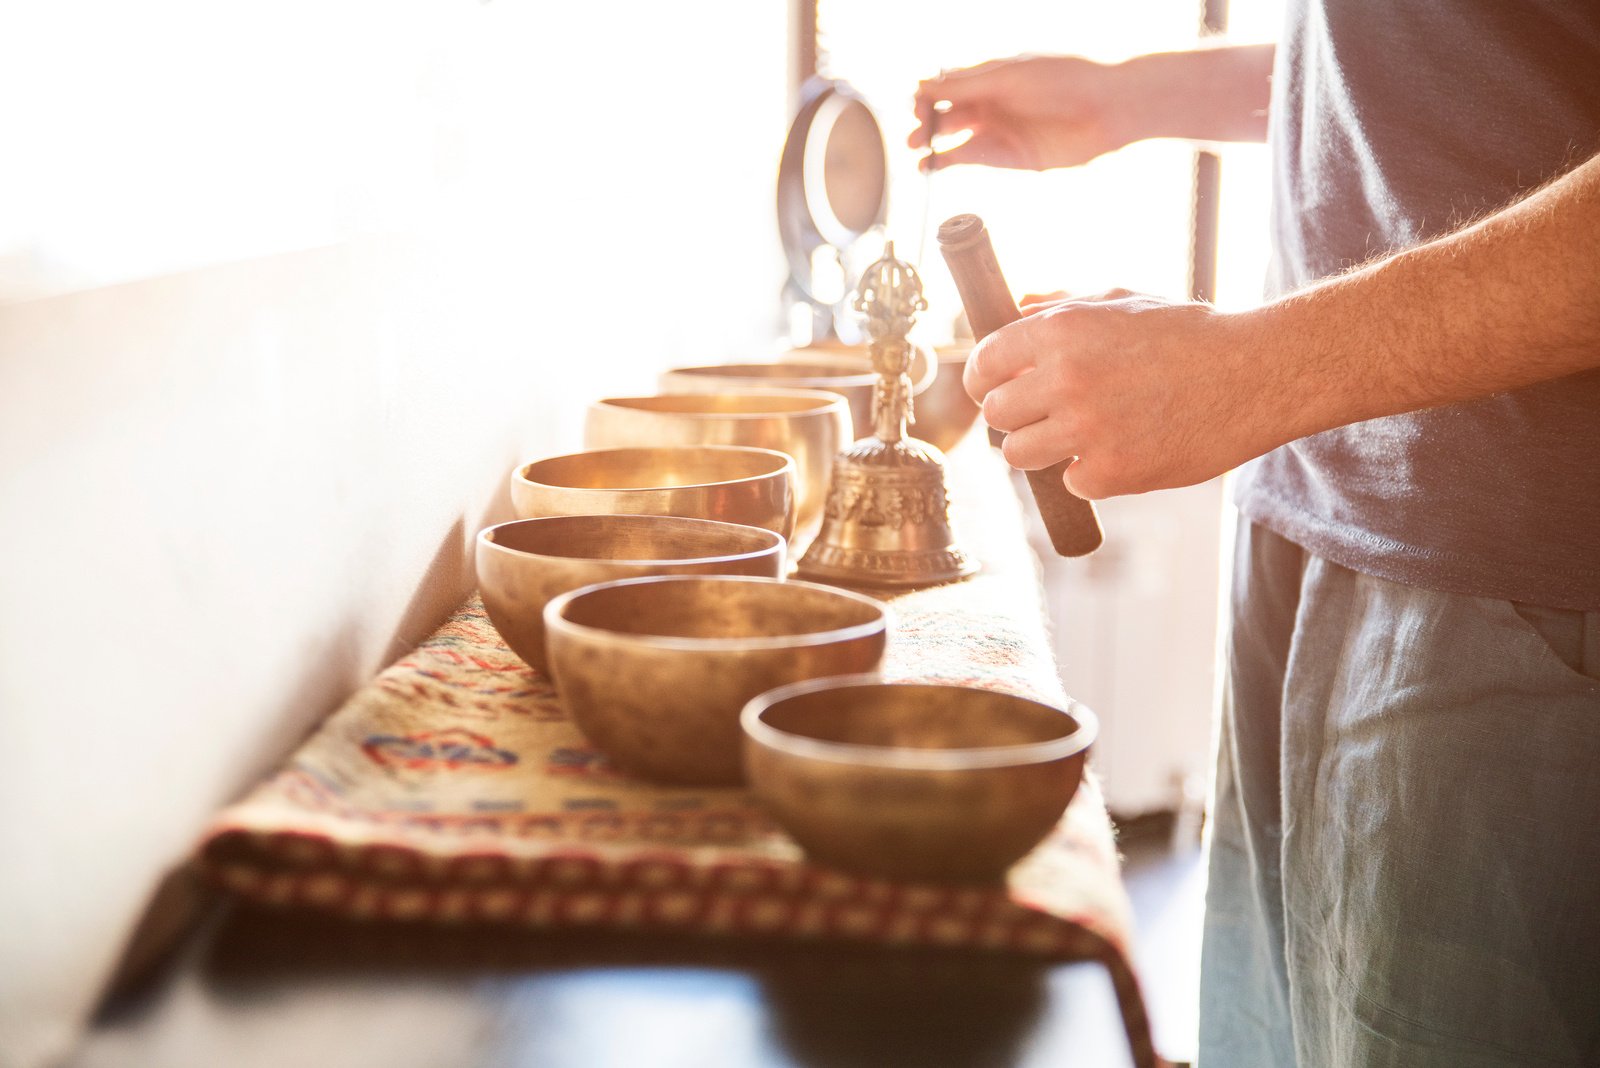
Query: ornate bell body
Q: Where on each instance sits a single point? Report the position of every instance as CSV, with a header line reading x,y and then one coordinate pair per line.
x,y
887,518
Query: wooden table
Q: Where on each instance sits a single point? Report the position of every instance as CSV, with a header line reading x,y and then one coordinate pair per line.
x,y
264,988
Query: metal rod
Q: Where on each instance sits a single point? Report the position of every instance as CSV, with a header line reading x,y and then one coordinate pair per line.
x,y
1204,210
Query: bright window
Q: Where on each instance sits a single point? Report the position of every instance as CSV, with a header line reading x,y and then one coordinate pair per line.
x,y
1122,220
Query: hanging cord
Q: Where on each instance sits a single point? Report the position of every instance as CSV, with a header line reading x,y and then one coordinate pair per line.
x,y
927,178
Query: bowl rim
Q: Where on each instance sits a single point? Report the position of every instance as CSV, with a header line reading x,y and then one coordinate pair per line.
x,y
844,376
826,402
762,733
837,352
780,544
787,464
554,621
960,348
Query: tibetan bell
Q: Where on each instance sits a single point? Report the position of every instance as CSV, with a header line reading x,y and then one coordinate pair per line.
x,y
887,517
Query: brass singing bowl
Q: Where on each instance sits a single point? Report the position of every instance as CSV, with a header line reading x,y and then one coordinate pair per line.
x,y
851,381
923,363
727,483
944,412
809,425
913,781
842,369
524,563
655,671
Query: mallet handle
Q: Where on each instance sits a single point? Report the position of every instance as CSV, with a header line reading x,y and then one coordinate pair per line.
x,y
1072,522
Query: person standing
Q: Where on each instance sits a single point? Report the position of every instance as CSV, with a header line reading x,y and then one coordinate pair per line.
x,y
1405,853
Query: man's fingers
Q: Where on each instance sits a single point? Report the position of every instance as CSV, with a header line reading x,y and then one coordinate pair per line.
x,y
960,84
944,120
918,137
930,119
1037,445
1030,301
951,118
1015,404
1090,481
997,359
973,150
989,141
1111,294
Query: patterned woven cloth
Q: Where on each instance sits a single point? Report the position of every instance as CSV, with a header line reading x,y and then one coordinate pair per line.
x,y
454,789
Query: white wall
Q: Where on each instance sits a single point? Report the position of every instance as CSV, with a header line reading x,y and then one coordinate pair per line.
x,y
285,290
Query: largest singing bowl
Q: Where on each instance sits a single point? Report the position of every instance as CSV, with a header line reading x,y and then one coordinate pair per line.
x,y
723,482
655,671
913,781
525,563
810,425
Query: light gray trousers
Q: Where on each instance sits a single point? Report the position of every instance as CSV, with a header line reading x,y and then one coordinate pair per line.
x,y
1405,858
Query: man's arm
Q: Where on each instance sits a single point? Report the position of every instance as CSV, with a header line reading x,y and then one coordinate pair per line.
x,y
1507,302
1039,112
1151,395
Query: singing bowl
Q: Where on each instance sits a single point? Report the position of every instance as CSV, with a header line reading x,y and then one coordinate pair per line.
x,y
852,381
656,671
923,363
837,369
809,425
726,483
524,563
944,412
914,781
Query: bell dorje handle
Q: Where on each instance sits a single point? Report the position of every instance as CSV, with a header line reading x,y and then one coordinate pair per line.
x,y
1073,525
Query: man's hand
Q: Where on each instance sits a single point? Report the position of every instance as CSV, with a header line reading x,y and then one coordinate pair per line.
x,y
1029,113
1148,395
1038,112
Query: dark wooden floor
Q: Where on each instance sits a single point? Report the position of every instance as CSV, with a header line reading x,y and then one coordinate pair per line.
x,y
256,988
1167,884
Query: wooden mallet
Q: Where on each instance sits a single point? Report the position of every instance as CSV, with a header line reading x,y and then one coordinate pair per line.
x,y
963,239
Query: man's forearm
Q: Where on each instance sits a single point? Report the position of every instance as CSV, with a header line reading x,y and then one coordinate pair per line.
x,y
1205,94
1509,301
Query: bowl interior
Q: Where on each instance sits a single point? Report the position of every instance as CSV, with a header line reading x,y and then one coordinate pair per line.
x,y
867,722
659,468
734,609
726,404
631,537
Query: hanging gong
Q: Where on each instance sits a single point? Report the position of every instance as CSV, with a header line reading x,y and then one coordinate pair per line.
x,y
833,201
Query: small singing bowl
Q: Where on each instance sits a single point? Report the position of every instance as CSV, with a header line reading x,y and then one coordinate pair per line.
x,y
727,483
656,671
915,781
810,425
525,563
944,412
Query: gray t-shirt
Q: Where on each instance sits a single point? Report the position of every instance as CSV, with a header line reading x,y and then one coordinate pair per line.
x,y
1395,121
